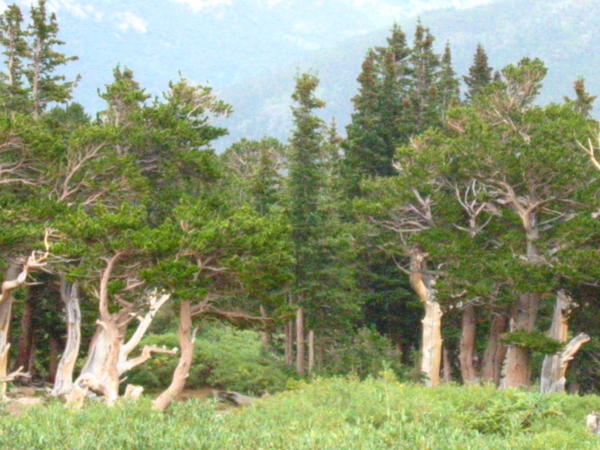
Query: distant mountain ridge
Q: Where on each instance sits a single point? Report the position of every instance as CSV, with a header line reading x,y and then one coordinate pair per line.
x,y
563,33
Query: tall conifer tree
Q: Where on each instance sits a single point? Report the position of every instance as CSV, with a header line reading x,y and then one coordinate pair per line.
x,y
16,49
46,86
480,73
448,85
583,101
305,177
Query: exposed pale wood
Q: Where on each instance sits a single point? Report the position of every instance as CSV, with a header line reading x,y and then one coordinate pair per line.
x,y
592,422
156,301
63,382
144,356
590,149
182,371
107,357
5,316
517,370
133,391
431,339
554,367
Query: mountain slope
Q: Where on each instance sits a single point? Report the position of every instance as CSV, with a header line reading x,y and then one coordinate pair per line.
x,y
563,33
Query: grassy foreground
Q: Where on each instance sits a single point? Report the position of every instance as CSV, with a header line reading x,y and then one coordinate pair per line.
x,y
326,414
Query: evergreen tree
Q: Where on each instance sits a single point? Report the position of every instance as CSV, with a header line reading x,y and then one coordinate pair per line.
x,y
365,148
305,176
123,97
448,85
255,171
13,92
480,73
424,90
583,101
45,85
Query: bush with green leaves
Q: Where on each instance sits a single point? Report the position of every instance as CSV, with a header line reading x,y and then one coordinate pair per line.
x,y
224,357
363,354
338,413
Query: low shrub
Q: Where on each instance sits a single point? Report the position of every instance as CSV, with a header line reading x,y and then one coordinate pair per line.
x,y
224,357
337,413
367,353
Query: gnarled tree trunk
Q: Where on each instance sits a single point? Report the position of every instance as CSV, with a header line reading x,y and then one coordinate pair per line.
x,y
108,356
467,345
495,350
516,371
5,316
63,381
554,367
182,371
431,340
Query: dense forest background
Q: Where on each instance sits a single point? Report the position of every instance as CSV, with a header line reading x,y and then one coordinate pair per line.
x,y
445,236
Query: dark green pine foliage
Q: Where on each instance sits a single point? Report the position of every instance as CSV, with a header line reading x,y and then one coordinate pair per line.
x,y
448,85
425,96
46,86
124,98
13,91
366,152
394,105
379,123
331,154
305,178
255,171
480,73
583,101
265,183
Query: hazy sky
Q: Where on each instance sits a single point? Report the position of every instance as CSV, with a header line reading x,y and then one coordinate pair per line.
x,y
220,42
128,15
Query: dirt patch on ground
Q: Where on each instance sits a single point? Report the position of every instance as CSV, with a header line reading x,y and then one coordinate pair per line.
x,y
203,392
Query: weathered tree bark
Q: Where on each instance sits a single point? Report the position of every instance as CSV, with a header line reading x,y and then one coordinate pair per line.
x,y
25,343
495,350
133,391
592,422
516,371
300,340
311,351
467,345
554,367
107,358
182,371
6,303
431,340
63,381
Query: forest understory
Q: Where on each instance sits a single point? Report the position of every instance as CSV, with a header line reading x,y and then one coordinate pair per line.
x,y
427,279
